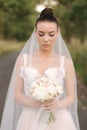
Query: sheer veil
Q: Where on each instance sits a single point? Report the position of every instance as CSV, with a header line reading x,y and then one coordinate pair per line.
x,y
12,109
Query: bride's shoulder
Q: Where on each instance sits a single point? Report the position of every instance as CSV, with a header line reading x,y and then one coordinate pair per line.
x,y
20,60
69,68
68,62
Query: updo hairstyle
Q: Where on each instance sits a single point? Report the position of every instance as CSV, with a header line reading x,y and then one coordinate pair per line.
x,y
47,15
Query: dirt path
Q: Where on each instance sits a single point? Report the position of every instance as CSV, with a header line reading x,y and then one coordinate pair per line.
x,y
6,66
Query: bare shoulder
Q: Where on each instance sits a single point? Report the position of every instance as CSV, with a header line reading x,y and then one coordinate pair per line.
x,y
68,63
69,68
19,60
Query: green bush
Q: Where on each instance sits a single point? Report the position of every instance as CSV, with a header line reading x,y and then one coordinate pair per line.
x,y
79,55
17,19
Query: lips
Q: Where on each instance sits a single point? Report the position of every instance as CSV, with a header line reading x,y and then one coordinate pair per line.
x,y
46,44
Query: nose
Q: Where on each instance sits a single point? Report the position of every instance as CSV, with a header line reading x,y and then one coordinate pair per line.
x,y
46,38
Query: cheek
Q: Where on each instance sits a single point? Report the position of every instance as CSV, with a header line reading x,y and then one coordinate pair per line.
x,y
39,39
53,40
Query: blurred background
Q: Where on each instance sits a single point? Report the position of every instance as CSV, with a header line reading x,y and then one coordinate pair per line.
x,y
17,19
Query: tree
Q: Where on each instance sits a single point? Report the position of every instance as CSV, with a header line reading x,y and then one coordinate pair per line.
x,y
17,21
17,18
79,19
72,15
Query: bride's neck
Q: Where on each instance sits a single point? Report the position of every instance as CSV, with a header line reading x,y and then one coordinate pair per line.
x,y
46,54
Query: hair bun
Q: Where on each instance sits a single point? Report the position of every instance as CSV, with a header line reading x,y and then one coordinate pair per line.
x,y
47,11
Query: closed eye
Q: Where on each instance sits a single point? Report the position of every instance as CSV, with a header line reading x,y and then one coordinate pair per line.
x,y
51,35
41,35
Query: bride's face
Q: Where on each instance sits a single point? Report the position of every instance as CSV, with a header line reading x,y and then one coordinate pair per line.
x,y
46,33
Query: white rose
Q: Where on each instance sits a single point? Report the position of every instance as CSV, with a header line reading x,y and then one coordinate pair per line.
x,y
59,89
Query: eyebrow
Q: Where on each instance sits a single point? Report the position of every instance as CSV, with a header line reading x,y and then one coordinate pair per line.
x,y
43,32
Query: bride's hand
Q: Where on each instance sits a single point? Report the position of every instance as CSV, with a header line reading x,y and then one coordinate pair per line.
x,y
51,105
35,103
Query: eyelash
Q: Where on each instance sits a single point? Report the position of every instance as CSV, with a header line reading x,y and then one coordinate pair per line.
x,y
51,35
41,35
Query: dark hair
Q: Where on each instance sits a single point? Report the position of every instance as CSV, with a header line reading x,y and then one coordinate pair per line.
x,y
47,15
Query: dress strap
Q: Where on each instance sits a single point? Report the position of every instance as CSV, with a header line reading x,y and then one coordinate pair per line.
x,y
25,59
62,61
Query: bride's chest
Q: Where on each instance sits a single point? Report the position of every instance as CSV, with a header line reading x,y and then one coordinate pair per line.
x,y
29,74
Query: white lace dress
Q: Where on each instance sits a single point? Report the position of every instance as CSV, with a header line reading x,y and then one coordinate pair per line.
x,y
29,118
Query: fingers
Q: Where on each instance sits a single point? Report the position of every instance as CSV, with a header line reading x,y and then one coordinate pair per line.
x,y
36,104
50,106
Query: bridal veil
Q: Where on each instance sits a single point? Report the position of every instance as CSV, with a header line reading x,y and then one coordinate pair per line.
x,y
12,109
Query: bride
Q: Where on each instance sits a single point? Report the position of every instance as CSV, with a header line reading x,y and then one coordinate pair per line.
x,y
44,54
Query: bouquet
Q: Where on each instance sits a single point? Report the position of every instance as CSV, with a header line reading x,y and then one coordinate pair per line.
x,y
44,89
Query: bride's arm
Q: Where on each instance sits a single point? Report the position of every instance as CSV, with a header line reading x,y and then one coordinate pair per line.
x,y
19,96
69,85
70,90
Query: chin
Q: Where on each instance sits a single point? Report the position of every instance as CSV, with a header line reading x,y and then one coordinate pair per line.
x,y
46,50
46,47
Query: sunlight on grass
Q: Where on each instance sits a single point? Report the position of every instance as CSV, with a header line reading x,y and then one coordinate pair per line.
x,y
7,46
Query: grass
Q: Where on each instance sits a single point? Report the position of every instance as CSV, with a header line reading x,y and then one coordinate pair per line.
x,y
7,46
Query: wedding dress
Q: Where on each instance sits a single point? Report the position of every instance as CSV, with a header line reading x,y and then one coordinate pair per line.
x,y
29,117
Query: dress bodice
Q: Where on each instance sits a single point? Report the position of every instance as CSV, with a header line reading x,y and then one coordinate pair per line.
x,y
30,74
